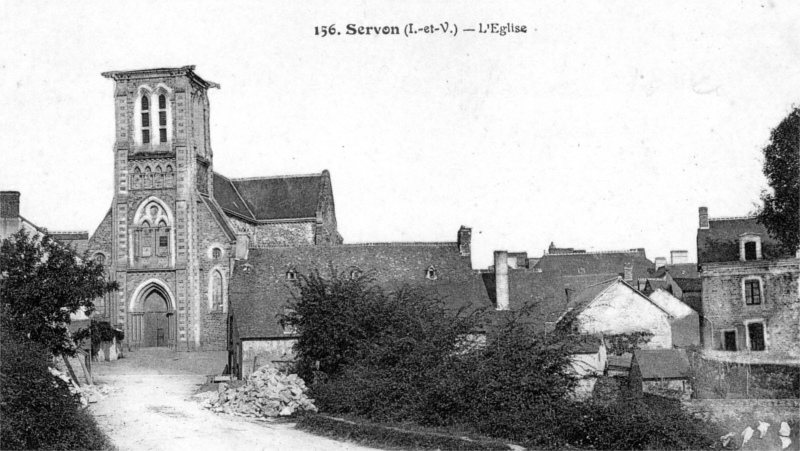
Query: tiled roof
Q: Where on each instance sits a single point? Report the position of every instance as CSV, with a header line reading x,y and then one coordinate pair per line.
x,y
654,284
596,263
720,242
683,270
692,284
260,293
228,198
662,363
620,361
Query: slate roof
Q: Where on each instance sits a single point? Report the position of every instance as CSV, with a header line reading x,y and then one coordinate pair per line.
x,y
662,363
270,198
219,217
720,242
582,299
620,361
596,263
260,293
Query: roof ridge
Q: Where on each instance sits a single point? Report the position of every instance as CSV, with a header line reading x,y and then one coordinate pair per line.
x,y
613,279
732,218
406,244
618,251
269,177
67,232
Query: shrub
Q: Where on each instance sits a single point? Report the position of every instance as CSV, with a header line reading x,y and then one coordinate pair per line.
x,y
37,408
98,332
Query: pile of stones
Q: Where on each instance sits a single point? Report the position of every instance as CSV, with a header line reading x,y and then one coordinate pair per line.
x,y
266,393
88,393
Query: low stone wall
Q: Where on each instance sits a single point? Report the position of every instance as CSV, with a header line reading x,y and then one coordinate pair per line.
x,y
256,353
725,410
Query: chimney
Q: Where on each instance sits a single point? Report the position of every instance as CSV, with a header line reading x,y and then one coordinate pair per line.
x,y
552,248
661,262
679,257
569,292
703,217
464,240
242,245
501,279
628,271
9,204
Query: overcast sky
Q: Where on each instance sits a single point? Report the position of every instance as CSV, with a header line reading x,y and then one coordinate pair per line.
x,y
605,126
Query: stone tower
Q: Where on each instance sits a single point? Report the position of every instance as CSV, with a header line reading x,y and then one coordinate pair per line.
x,y
163,242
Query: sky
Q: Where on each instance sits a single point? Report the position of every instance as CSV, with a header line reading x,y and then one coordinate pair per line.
x,y
604,126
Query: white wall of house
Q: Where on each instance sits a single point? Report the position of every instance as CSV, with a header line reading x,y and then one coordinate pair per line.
x,y
620,310
685,322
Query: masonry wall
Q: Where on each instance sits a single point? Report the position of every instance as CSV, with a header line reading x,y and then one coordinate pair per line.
x,y
213,323
285,234
262,352
724,304
620,310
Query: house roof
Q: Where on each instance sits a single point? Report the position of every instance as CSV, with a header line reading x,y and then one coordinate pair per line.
x,y
656,284
662,363
596,263
260,293
720,241
215,210
582,299
270,198
690,284
620,361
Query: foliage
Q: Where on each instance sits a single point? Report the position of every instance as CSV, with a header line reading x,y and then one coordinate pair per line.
x,y
98,331
42,283
37,408
781,210
627,343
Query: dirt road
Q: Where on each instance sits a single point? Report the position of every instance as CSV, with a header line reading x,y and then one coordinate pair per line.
x,y
150,408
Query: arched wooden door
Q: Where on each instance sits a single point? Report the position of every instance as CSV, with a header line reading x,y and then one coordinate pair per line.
x,y
152,323
156,330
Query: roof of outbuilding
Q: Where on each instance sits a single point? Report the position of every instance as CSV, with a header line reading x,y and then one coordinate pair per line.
x,y
596,263
662,363
270,198
259,294
720,241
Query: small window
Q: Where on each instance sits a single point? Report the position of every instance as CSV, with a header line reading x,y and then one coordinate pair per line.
x,y
755,332
146,136
752,292
750,251
355,274
430,273
163,241
291,274
162,118
100,259
581,270
162,135
145,103
216,253
162,102
729,340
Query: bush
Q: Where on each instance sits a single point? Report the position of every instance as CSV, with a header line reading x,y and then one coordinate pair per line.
x,y
37,408
98,332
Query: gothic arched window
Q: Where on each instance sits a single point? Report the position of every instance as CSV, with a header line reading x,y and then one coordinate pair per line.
x,y
152,247
169,177
145,119
137,178
430,273
158,178
216,291
148,177
162,118
216,253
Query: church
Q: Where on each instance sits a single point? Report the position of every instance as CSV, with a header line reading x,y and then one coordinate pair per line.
x,y
175,227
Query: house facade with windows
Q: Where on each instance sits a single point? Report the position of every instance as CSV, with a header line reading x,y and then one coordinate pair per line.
x,y
749,288
175,225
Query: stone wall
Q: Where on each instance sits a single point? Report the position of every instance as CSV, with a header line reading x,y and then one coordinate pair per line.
x,y
724,304
262,352
213,323
768,410
285,234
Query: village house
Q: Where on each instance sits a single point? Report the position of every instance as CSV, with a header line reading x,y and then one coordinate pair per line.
x,y
264,282
750,291
663,372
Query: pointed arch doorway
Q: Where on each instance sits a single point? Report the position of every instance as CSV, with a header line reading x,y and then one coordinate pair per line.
x,y
152,316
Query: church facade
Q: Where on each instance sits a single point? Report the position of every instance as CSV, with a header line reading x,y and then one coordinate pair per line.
x,y
175,226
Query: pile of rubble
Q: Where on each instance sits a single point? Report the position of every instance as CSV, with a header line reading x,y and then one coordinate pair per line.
x,y
265,393
88,393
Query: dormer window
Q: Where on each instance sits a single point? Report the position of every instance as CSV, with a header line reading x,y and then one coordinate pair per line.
x,y
355,273
291,275
749,247
430,273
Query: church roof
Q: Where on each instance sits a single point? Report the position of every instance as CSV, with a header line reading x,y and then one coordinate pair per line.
x,y
260,293
270,198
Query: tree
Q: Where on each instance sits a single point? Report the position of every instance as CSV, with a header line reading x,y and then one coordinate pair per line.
x,y
42,283
780,213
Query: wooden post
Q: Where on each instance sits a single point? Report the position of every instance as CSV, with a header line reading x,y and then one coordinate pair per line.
x,y
86,372
255,360
71,371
